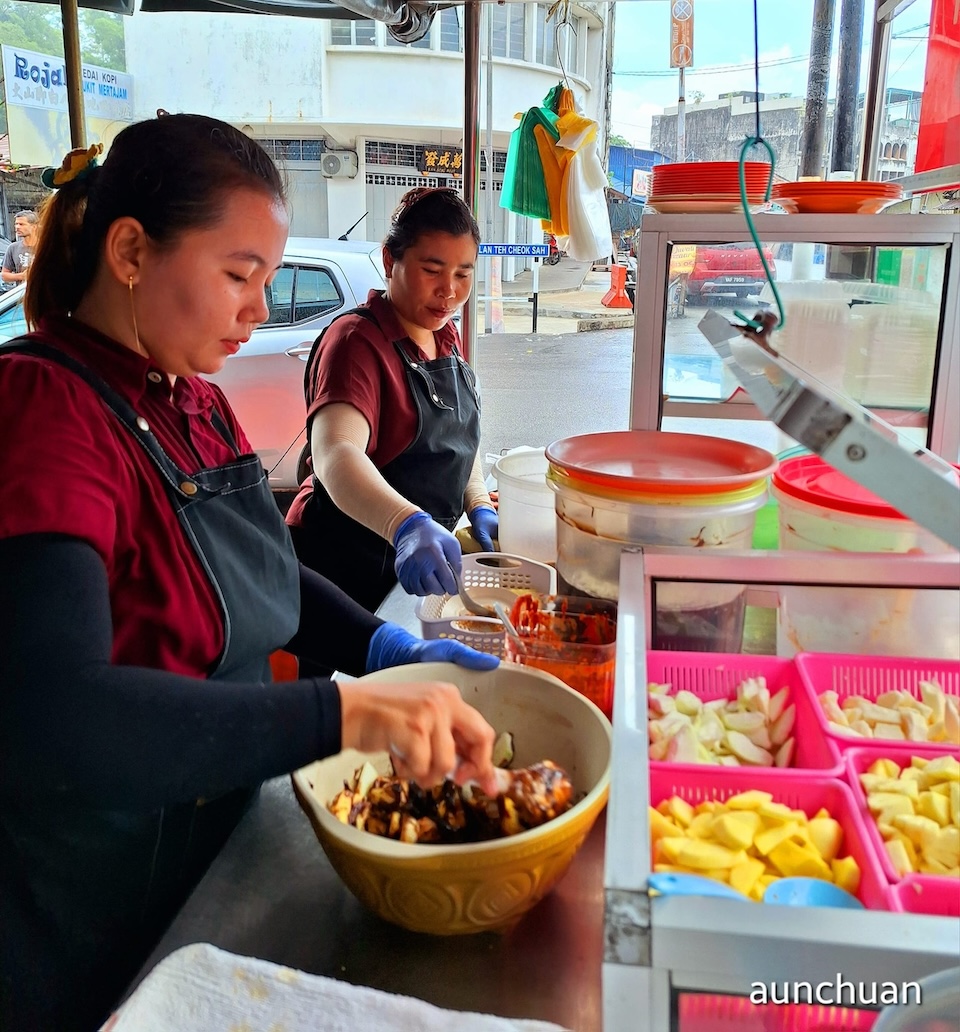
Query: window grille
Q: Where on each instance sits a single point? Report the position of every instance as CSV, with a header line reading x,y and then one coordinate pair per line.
x,y
380,179
450,29
408,155
294,150
345,32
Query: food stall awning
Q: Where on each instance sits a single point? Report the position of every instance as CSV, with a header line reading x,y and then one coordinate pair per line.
x,y
406,20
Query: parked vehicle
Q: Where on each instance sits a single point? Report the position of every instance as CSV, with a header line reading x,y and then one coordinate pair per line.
x,y
733,269
319,280
553,258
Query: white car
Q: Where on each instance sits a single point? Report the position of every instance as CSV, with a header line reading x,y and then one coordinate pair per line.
x,y
319,280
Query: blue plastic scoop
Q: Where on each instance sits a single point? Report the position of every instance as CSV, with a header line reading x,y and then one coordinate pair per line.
x,y
790,892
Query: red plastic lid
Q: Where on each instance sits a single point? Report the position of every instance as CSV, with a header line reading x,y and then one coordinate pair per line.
x,y
812,480
654,461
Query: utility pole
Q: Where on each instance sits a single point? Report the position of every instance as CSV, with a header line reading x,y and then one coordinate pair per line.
x,y
848,83
818,81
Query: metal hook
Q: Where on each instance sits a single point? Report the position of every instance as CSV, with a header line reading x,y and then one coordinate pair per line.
x,y
562,11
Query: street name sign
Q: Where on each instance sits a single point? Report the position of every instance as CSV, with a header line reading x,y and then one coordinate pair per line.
x,y
514,250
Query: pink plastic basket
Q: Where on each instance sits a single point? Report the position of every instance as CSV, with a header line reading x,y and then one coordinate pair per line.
x,y
870,676
808,793
859,760
712,676
923,894
712,1013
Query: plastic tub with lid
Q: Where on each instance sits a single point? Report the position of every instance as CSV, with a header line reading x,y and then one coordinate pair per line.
x,y
639,487
821,509
527,521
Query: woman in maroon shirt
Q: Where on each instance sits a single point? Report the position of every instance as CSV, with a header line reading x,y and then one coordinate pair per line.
x,y
146,575
393,418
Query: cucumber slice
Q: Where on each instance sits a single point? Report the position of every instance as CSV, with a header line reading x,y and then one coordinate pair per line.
x,y
503,749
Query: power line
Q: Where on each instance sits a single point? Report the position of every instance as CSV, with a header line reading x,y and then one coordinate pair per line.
x,y
770,62
716,69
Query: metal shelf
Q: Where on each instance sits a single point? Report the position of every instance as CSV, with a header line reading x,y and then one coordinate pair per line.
x,y
659,232
654,947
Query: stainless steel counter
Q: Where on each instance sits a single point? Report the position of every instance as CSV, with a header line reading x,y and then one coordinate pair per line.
x,y
271,893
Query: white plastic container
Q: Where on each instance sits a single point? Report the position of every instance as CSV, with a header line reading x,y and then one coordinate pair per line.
x,y
820,509
636,487
528,525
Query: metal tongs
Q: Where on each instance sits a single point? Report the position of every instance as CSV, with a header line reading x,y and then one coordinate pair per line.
x,y
915,481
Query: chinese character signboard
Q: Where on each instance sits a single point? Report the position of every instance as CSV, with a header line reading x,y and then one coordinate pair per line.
x,y
641,183
681,33
441,161
35,92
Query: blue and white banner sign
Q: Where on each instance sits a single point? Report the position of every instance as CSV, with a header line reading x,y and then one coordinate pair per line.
x,y
514,250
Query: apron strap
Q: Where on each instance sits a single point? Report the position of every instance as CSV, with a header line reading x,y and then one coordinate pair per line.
x,y
124,411
364,312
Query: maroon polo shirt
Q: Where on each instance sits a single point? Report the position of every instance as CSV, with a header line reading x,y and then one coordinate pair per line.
x,y
68,466
359,364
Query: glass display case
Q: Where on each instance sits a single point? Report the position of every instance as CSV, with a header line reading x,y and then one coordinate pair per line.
x,y
871,304
659,949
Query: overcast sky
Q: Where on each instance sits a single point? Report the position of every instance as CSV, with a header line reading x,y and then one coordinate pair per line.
x,y
723,37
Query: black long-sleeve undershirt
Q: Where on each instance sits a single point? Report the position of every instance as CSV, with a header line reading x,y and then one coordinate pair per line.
x,y
74,725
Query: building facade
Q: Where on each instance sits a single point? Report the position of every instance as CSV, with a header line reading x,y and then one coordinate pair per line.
x,y
715,130
355,118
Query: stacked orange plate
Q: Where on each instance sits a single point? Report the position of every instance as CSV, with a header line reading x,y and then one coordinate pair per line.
x,y
856,196
706,186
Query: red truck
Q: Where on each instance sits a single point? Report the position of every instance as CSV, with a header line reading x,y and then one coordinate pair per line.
x,y
727,269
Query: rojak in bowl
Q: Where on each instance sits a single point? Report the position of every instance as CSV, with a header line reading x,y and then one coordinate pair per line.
x,y
456,888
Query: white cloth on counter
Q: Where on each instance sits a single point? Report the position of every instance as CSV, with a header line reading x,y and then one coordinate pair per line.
x,y
201,988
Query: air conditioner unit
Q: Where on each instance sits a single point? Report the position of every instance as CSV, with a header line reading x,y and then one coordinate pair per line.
x,y
339,164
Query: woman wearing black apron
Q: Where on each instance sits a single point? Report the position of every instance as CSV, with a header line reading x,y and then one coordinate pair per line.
x,y
394,419
146,575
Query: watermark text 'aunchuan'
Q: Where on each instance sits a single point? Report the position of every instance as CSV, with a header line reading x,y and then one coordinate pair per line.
x,y
839,992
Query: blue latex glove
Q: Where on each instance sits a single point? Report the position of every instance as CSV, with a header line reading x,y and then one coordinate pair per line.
x,y
393,646
423,550
485,526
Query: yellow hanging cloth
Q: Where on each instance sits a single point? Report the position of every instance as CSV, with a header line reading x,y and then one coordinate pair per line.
x,y
554,161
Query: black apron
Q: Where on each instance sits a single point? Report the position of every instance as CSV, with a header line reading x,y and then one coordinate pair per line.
x,y
86,929
432,473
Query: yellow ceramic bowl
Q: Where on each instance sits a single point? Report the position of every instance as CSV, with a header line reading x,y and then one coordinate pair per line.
x,y
459,889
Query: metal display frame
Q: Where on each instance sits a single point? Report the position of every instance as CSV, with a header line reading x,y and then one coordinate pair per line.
x,y
658,233
655,947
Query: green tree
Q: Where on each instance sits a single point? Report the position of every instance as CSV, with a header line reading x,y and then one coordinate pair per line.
x,y
31,26
616,140
38,27
101,40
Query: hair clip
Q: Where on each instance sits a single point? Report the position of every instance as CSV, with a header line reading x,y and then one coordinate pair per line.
x,y
76,165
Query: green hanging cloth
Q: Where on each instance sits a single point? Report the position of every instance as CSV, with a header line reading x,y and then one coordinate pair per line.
x,y
524,188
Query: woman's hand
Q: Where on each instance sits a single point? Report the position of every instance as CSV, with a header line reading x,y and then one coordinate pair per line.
x,y
430,732
391,645
424,550
485,526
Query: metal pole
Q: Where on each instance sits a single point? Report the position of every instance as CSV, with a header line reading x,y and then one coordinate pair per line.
x,y
536,292
844,156
874,106
682,121
818,81
493,263
471,151
74,68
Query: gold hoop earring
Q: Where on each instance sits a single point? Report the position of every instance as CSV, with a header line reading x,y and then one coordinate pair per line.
x,y
133,313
